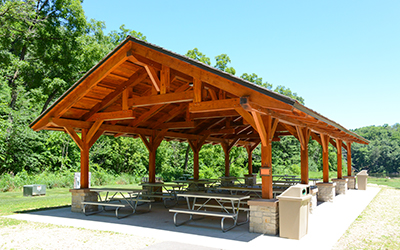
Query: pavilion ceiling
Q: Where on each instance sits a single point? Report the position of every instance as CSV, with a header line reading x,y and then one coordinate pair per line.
x,y
140,89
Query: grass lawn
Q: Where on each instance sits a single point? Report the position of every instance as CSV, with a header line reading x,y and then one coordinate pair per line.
x,y
390,182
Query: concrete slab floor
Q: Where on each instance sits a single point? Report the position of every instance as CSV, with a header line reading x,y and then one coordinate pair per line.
x,y
325,226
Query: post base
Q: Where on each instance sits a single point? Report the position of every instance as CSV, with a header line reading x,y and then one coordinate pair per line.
x,y
264,216
326,191
341,186
81,195
351,184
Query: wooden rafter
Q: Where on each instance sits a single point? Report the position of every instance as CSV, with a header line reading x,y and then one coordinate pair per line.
x,y
135,79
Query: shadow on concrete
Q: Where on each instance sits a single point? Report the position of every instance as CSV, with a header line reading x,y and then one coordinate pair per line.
x,y
159,218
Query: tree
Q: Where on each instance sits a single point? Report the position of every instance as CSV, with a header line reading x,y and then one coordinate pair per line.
x,y
255,79
221,63
197,55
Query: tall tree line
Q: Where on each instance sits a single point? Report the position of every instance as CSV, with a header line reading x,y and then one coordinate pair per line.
x,y
47,45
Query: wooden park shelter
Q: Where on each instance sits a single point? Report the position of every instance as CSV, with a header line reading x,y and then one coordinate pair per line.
x,y
142,90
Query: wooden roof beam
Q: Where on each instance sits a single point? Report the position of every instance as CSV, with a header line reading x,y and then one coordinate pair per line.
x,y
179,97
170,115
135,79
110,116
213,106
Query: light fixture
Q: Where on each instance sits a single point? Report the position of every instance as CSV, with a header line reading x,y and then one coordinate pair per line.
x,y
265,171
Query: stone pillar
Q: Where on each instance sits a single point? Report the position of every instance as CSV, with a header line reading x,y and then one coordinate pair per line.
x,y
313,201
326,191
264,216
351,184
341,186
80,195
250,179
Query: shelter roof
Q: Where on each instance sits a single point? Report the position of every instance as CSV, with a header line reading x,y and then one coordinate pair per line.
x,y
140,88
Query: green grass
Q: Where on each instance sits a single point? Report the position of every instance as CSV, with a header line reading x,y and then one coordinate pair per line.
x,y
13,202
390,182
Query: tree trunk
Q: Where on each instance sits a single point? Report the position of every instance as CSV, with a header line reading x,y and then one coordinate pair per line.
x,y
49,99
186,157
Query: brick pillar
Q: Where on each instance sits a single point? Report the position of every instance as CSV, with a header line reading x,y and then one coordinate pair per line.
x,y
250,179
326,191
341,185
80,195
351,184
264,216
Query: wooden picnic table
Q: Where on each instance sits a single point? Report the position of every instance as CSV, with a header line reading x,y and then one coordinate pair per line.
x,y
228,206
116,198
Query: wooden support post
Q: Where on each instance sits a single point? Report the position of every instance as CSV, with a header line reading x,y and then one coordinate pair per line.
x,y
269,126
152,145
266,161
84,161
348,144
196,145
250,159
152,166
325,157
304,137
85,142
339,158
196,167
227,150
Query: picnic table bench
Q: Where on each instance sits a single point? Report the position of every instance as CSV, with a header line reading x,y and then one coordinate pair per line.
x,y
219,201
125,197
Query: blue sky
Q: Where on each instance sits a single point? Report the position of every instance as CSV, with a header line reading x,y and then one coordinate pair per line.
x,y
342,57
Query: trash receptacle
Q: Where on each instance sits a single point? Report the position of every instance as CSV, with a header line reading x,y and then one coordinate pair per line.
x,y
293,211
362,180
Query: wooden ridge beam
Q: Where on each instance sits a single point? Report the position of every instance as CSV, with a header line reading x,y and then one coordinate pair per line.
x,y
186,96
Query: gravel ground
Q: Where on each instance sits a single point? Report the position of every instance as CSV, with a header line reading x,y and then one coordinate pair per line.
x,y
32,235
378,227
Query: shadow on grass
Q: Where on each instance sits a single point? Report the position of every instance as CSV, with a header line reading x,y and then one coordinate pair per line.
x,y
40,209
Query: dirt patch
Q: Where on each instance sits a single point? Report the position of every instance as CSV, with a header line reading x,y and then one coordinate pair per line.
x,y
378,226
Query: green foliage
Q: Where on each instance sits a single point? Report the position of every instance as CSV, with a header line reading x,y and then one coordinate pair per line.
x,y
197,55
221,63
382,155
255,79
